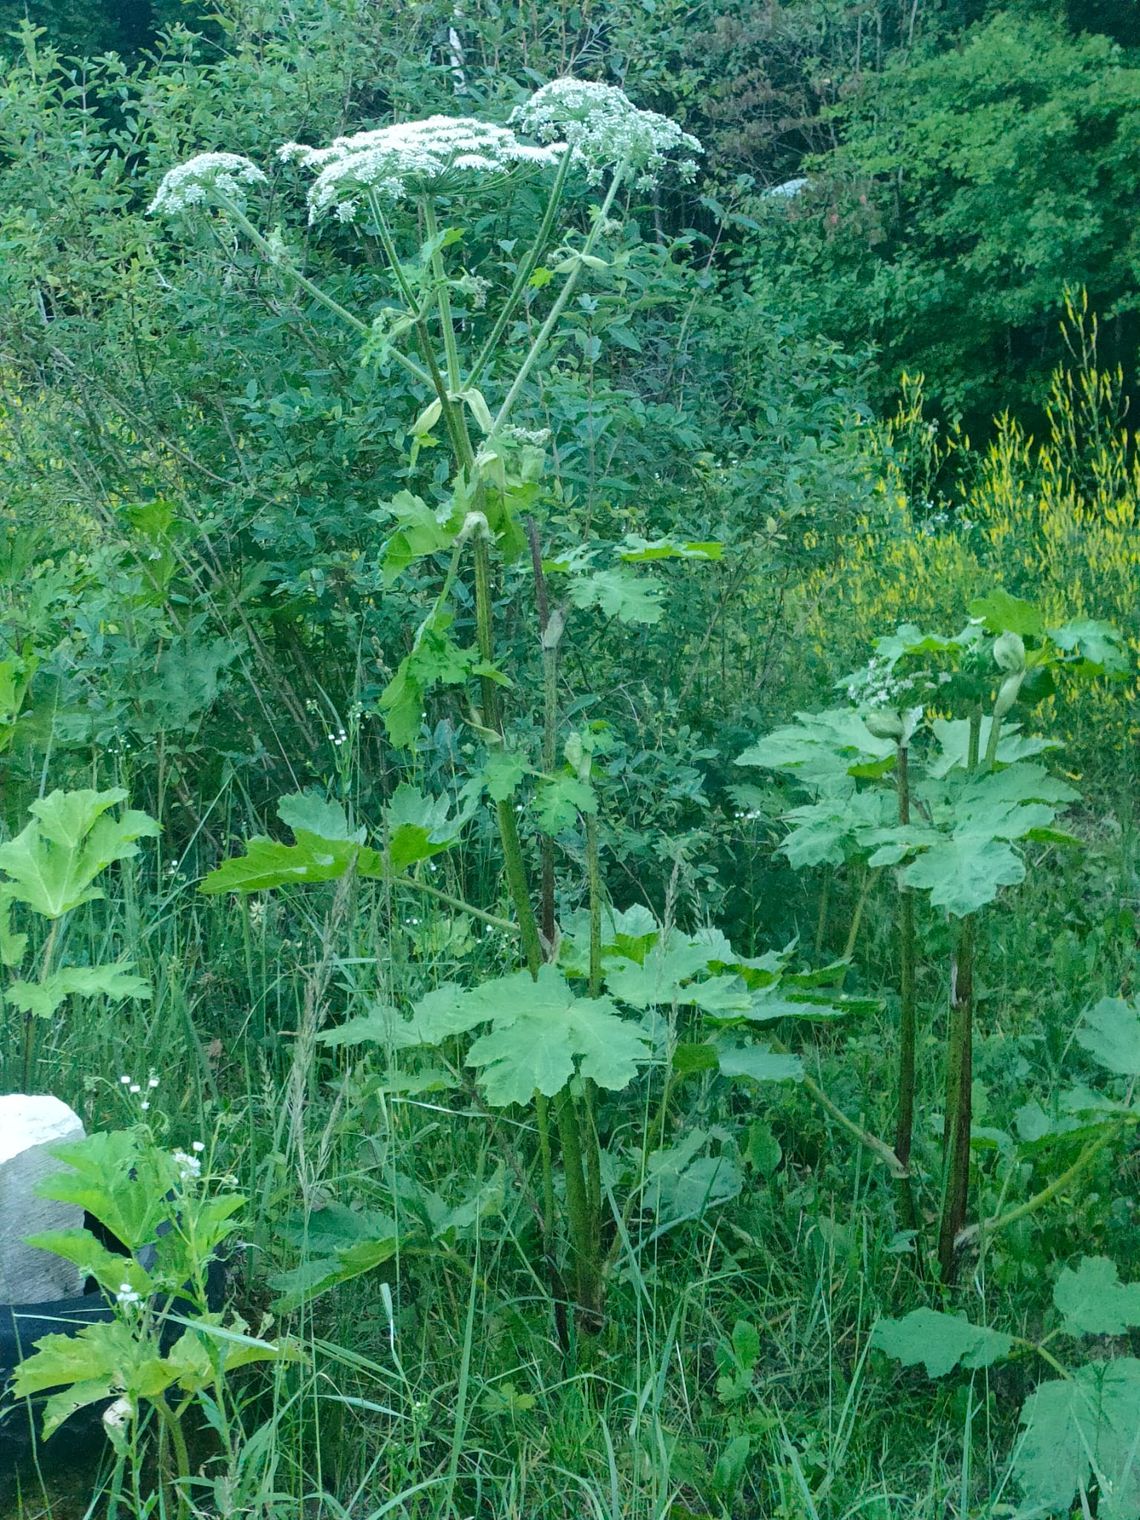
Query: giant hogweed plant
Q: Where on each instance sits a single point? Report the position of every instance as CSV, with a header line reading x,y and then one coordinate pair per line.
x,y
927,772
568,1024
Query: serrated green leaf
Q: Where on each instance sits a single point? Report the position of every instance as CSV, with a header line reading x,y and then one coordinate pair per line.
x,y
53,862
619,594
821,748
1093,1301
503,773
635,550
559,802
1100,645
940,1342
267,864
965,873
419,530
1081,1430
418,827
758,1063
1004,613
43,998
309,813
381,1026
1110,1032
953,736
540,1034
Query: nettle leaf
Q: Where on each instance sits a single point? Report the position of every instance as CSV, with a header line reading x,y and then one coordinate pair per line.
x,y
1093,1301
417,827
940,1342
1101,646
619,594
1080,1430
43,998
1004,613
1110,1033
53,862
821,747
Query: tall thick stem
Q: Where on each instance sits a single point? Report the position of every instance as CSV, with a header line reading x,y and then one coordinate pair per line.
x,y
584,1243
959,1074
904,1125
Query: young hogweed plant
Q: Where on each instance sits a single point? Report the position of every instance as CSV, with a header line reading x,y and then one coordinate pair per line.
x,y
949,802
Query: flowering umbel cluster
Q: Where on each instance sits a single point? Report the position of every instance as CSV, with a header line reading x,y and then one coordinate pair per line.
x,y
439,154
605,129
192,183
598,123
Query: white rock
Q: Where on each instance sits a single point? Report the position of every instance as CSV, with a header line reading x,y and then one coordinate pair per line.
x,y
29,1126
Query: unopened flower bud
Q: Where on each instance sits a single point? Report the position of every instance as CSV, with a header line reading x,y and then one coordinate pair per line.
x,y
884,723
1009,652
1007,696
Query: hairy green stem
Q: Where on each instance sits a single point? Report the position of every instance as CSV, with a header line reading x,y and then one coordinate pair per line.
x,y
904,1128
443,298
988,1227
959,1074
584,1245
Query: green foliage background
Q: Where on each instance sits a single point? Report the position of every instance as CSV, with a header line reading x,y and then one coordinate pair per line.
x,y
885,393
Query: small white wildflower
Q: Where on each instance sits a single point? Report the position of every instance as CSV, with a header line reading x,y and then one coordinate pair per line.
x,y
134,1088
438,154
127,1296
144,1105
197,1146
606,129
188,1166
192,183
125,1081
152,1082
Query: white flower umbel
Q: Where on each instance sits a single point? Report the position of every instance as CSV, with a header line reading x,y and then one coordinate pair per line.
x,y
606,129
194,182
438,154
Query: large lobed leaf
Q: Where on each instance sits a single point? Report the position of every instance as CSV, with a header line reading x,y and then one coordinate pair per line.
x,y
940,1342
1084,1429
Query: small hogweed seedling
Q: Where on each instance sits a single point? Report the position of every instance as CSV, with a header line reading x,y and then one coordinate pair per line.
x,y
948,802
49,869
167,1349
